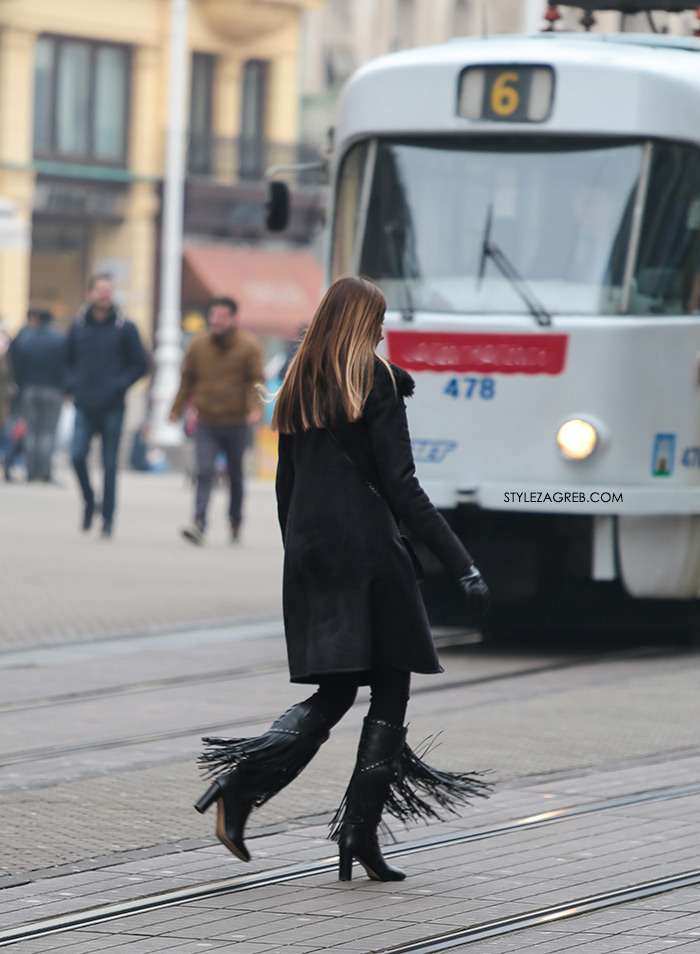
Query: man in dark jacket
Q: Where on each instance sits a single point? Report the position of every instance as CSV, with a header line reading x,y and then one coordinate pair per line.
x,y
37,356
104,357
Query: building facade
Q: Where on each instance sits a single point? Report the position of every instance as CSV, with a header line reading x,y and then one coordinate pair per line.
x,y
83,122
345,34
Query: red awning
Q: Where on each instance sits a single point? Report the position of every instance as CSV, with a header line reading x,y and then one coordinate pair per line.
x,y
277,292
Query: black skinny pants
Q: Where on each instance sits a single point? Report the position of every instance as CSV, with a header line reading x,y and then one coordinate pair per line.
x,y
389,688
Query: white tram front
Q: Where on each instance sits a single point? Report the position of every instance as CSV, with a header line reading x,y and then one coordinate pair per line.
x,y
531,208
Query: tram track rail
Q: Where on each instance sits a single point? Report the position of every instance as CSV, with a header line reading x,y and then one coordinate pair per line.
x,y
546,915
138,688
187,680
83,919
55,752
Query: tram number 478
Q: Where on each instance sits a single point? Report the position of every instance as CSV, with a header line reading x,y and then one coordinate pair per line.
x,y
483,388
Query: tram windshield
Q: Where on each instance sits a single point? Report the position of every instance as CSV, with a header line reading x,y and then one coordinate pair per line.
x,y
560,211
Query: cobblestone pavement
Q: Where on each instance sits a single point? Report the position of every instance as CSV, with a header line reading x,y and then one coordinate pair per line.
x,y
503,872
115,657
99,777
59,584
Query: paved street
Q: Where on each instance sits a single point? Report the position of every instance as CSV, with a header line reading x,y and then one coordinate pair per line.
x,y
61,585
117,656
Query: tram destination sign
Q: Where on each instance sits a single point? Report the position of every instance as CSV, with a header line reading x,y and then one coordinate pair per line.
x,y
502,93
446,351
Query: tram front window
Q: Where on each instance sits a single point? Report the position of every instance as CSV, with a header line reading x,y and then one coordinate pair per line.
x,y
561,216
560,211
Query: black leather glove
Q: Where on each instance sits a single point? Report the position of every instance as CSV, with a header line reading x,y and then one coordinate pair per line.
x,y
476,591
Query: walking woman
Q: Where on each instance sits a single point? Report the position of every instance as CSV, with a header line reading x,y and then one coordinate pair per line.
x,y
353,614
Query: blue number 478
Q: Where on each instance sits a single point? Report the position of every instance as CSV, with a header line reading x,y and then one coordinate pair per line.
x,y
469,387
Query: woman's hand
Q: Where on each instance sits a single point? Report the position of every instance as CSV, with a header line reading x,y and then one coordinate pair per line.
x,y
476,591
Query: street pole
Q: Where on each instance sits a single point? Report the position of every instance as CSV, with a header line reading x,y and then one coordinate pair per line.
x,y
532,15
168,353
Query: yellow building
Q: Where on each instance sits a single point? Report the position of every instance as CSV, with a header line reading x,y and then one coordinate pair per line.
x,y
83,120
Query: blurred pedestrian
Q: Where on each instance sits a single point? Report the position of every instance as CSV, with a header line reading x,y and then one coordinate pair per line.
x,y
31,322
221,373
17,428
38,355
104,357
6,395
353,613
14,446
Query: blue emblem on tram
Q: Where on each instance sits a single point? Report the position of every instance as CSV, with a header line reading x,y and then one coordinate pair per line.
x,y
691,457
432,452
663,457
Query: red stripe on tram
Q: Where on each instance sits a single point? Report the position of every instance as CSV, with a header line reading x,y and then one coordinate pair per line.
x,y
487,354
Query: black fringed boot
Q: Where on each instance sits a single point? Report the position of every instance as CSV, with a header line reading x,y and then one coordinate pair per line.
x,y
256,769
390,777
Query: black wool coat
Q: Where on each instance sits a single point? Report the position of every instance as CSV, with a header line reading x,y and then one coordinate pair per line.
x,y
350,596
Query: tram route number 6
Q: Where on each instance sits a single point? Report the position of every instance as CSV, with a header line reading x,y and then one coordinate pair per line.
x,y
484,388
516,93
505,98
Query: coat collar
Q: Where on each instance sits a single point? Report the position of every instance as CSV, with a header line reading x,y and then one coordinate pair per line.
x,y
224,342
116,317
405,384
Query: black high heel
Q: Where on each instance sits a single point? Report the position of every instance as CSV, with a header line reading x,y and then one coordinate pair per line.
x,y
344,863
232,814
208,799
361,843
250,771
389,776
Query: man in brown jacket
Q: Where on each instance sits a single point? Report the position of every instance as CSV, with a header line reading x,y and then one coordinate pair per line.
x,y
221,371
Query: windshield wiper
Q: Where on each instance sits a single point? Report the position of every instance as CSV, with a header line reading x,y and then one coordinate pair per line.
x,y
489,249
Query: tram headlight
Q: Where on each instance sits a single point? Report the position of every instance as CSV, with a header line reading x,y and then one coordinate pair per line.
x,y
577,439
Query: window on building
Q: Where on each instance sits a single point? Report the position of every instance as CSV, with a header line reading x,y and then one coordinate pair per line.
x,y
111,77
43,77
340,64
253,116
201,103
405,36
462,18
80,100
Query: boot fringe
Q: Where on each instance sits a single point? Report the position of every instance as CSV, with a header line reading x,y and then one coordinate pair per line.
x,y
266,763
417,781
414,782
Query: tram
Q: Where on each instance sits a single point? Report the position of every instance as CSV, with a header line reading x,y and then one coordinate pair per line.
x,y
530,206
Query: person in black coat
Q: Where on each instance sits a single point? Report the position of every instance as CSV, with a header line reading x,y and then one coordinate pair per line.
x,y
37,355
104,357
353,613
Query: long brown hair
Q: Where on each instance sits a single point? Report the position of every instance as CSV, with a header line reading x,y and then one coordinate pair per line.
x,y
335,361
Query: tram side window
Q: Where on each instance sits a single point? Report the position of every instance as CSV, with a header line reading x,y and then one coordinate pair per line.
x,y
347,209
389,245
667,274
